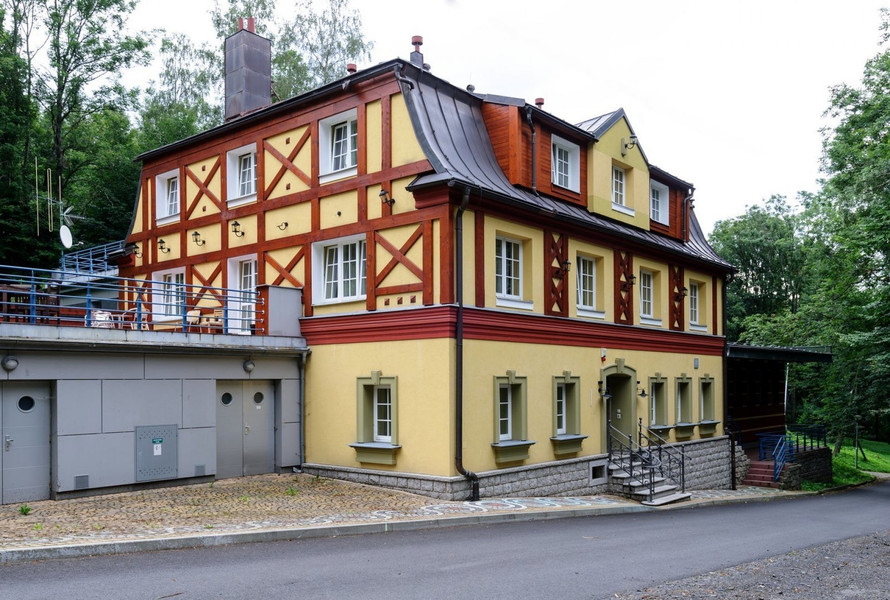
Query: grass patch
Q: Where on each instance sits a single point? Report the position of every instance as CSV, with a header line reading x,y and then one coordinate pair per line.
x,y
844,471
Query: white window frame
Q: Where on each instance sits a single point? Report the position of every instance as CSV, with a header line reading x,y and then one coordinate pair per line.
x,y
509,273
326,275
247,174
619,191
569,177
659,196
235,183
385,420
328,169
648,298
169,294
561,414
505,412
165,211
241,315
695,307
586,283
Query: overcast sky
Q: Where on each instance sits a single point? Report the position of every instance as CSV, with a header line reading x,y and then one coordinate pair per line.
x,y
728,95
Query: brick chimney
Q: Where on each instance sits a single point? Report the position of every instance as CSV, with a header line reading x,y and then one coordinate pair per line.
x,y
248,71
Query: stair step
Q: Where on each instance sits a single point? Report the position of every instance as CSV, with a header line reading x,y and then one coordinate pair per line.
x,y
659,490
638,483
758,483
677,497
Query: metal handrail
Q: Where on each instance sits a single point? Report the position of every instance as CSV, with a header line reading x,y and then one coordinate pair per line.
x,y
671,461
627,457
781,454
50,297
92,260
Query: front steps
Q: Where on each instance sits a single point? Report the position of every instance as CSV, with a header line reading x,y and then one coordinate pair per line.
x,y
637,487
760,474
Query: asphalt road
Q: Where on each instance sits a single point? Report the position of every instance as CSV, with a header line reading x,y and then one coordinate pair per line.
x,y
594,557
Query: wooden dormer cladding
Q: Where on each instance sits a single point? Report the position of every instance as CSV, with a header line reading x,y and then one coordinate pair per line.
x,y
676,297
511,139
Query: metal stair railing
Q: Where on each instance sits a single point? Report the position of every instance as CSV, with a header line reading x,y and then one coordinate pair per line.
x,y
670,462
622,446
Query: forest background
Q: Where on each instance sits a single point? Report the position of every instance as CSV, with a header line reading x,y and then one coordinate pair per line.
x,y
812,272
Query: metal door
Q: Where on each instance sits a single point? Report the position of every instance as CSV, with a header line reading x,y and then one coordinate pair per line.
x,y
25,453
245,418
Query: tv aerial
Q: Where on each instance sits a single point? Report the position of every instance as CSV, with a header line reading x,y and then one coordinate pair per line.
x,y
54,205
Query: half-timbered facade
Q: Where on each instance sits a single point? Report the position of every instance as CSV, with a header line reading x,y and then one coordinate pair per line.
x,y
485,287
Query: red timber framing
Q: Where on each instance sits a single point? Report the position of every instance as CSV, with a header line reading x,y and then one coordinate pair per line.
x,y
624,287
556,254
439,322
677,297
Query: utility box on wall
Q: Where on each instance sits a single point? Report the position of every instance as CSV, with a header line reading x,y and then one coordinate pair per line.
x,y
156,452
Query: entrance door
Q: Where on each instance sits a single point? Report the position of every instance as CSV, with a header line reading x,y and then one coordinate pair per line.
x,y
245,420
621,405
24,433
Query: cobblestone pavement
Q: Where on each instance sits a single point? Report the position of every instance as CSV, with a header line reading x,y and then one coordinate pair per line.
x,y
264,503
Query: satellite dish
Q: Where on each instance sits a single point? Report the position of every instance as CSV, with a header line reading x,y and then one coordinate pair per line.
x,y
65,236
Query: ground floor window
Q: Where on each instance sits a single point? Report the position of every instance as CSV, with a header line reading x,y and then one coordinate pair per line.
x,y
377,432
510,418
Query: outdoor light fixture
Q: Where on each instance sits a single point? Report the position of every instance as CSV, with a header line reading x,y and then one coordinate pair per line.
x,y
282,226
134,248
631,280
681,293
248,366
384,197
628,144
162,246
196,237
236,229
640,391
10,363
603,391
563,269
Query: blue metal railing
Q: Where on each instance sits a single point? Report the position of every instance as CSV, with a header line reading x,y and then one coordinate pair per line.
x,y
51,297
781,448
90,261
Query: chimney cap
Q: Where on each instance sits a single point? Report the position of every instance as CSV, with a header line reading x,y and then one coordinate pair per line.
x,y
417,40
350,68
539,102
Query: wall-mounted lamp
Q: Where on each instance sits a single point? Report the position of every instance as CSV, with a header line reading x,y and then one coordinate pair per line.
x,y
385,198
640,391
162,246
630,281
196,237
563,269
236,229
248,366
604,391
282,226
681,293
628,144
134,248
9,363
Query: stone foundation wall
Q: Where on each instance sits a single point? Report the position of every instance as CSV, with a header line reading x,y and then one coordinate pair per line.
x,y
815,465
707,467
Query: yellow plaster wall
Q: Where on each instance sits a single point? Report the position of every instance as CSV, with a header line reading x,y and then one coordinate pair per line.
x,y
539,364
532,260
285,143
297,216
425,403
405,147
339,209
374,147
602,155
200,170
706,297
140,208
248,226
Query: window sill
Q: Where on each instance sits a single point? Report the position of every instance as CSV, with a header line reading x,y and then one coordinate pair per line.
x,y
696,327
650,321
567,443
623,209
512,303
380,453
167,220
708,427
572,190
659,429
337,175
508,451
242,200
685,430
591,314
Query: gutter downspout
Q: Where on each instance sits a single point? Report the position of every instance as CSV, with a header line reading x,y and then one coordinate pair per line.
x,y
459,352
686,202
528,117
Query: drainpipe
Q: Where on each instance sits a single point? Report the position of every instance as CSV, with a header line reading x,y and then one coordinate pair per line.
x,y
686,201
459,352
301,409
528,117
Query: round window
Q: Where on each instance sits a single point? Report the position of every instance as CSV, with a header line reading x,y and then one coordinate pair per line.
x,y
26,404
258,398
226,399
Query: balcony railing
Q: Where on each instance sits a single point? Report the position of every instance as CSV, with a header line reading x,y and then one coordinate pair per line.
x,y
51,297
90,261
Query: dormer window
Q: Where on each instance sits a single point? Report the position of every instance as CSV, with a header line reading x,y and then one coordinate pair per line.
x,y
167,197
618,182
241,178
658,202
565,164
